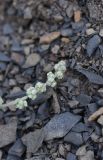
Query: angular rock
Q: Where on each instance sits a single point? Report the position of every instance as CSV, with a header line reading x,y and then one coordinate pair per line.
x,y
74,138
92,77
48,38
32,60
7,133
92,44
33,140
71,156
60,125
17,149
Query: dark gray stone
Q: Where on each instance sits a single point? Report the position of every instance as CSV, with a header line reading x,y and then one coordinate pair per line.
x,y
84,99
80,127
60,125
74,138
17,149
92,44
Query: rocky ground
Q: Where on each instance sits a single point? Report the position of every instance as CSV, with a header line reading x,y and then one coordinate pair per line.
x,y
34,35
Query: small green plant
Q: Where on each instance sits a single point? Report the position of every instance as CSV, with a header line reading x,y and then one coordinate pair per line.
x,y
39,88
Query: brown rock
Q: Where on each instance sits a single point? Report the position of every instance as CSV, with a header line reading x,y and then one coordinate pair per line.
x,y
17,58
77,16
96,114
49,37
65,40
32,60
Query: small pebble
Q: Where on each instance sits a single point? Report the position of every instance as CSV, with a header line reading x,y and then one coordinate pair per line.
x,y
101,33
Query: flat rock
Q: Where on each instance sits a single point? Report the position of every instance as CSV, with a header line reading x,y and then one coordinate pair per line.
x,y
8,133
17,149
84,99
92,76
32,60
60,125
92,44
74,138
71,156
33,140
49,37
79,127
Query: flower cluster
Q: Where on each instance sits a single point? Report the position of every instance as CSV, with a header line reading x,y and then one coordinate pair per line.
x,y
51,79
20,103
40,87
60,68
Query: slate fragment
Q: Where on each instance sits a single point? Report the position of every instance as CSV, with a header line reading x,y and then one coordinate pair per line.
x,y
7,133
17,149
60,125
92,77
92,44
33,140
83,99
4,57
74,138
